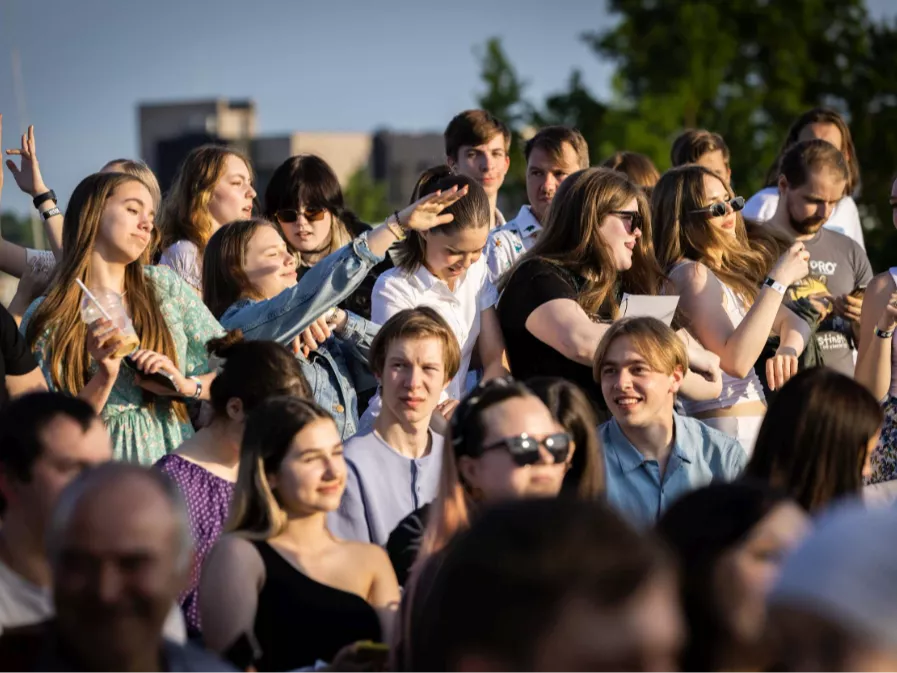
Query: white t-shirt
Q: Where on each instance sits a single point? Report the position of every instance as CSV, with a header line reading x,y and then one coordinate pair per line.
x,y
845,217
23,603
183,258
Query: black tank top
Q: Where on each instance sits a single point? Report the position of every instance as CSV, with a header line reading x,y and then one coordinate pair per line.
x,y
299,621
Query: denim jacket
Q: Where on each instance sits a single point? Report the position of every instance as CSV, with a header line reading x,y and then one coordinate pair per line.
x,y
339,366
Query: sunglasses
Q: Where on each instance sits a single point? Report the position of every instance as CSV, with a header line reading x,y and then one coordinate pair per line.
x,y
631,218
290,215
524,449
720,208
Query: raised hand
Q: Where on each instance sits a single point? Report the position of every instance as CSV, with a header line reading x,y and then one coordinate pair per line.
x,y
793,265
27,176
426,213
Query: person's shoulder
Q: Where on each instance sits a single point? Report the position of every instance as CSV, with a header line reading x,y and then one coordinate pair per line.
x,y
189,657
882,283
357,445
371,555
183,249
713,441
164,278
762,205
392,279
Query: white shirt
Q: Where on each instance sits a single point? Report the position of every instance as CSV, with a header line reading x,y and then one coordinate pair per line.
x,y
845,217
183,258
396,290
23,603
508,242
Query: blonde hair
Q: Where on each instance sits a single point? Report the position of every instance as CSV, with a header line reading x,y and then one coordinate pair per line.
x,y
651,338
185,214
139,170
60,313
741,263
256,512
422,322
571,239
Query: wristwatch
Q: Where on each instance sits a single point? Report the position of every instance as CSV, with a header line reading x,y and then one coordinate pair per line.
x,y
43,198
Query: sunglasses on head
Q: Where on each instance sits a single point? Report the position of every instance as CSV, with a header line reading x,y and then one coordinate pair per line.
x,y
290,215
719,208
524,449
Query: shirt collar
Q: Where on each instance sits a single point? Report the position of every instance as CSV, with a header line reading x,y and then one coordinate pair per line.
x,y
428,281
525,223
631,458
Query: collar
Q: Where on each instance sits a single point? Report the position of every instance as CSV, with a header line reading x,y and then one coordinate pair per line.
x,y
630,458
525,223
427,281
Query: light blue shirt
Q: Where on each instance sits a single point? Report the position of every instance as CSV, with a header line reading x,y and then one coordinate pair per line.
x,y
383,487
339,366
700,455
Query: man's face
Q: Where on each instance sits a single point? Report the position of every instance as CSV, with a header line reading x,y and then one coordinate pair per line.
x,y
413,378
811,204
487,164
118,571
545,171
67,451
644,634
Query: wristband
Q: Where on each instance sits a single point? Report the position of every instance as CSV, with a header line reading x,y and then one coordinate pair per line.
x,y
775,285
40,199
198,393
53,212
397,229
883,334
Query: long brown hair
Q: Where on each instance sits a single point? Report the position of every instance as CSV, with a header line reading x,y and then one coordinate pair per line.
x,y
820,115
741,264
571,239
223,278
185,213
60,312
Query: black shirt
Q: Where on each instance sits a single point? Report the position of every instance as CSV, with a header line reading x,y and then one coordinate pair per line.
x,y
15,356
534,283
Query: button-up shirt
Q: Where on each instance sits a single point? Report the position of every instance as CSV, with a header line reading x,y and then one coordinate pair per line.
x,y
508,242
699,455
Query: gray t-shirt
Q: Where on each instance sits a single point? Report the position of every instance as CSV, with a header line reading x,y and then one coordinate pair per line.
x,y
383,487
838,265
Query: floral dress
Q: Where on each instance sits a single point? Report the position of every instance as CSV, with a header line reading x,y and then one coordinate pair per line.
x,y
141,434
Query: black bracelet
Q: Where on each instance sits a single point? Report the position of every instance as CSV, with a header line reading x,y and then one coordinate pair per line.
x,y
40,199
399,222
883,334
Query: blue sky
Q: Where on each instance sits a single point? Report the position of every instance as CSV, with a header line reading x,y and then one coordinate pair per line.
x,y
309,65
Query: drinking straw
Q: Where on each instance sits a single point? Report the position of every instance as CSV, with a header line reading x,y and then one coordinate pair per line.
x,y
95,301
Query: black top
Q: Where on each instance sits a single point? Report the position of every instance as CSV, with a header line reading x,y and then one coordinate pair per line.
x,y
15,356
534,283
299,621
404,542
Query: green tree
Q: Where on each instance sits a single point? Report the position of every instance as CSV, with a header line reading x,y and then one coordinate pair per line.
x,y
16,229
366,197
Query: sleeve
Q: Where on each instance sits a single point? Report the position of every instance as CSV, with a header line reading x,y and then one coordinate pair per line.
x,y
848,217
487,297
538,283
326,284
360,332
862,268
17,357
761,206
349,520
391,295
183,259
735,460
42,263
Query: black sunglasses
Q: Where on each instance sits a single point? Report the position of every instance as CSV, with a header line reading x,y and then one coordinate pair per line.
x,y
719,208
524,449
634,217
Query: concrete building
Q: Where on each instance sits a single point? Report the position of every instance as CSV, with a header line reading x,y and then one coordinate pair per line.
x,y
399,158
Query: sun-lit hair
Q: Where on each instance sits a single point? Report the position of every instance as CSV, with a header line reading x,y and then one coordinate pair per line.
x,y
820,115
651,338
185,213
60,313
422,322
571,239
811,156
255,511
552,139
139,170
473,127
637,167
741,263
223,278
693,144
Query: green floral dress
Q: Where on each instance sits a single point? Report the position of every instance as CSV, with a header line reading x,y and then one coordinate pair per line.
x,y
140,434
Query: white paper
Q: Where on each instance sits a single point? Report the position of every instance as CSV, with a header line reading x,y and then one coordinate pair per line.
x,y
662,307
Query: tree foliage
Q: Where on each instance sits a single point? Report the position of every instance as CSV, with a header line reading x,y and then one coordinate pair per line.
x,y
366,197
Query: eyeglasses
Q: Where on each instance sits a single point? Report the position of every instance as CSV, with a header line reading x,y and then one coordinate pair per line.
x,y
632,219
524,449
290,215
720,208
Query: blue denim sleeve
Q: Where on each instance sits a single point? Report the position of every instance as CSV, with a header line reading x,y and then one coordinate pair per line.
x,y
360,333
326,284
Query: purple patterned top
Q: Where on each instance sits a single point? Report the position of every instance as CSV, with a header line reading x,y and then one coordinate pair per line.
x,y
208,502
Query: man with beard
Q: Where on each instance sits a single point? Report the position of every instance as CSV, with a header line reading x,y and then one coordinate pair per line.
x,y
812,180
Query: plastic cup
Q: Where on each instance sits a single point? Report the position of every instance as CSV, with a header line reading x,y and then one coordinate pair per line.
x,y
115,308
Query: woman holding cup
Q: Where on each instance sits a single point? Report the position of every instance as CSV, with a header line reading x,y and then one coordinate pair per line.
x,y
107,237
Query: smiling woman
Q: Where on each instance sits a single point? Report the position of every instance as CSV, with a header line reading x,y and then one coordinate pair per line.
x,y
213,187
108,234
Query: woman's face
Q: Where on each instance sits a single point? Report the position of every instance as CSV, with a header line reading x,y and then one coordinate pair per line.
x,y
746,573
495,474
233,193
126,225
620,233
269,266
308,229
449,255
312,476
715,191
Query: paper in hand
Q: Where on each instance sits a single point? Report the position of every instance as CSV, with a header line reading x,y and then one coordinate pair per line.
x,y
662,307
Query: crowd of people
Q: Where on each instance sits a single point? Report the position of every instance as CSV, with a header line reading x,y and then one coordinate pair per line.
x,y
645,424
